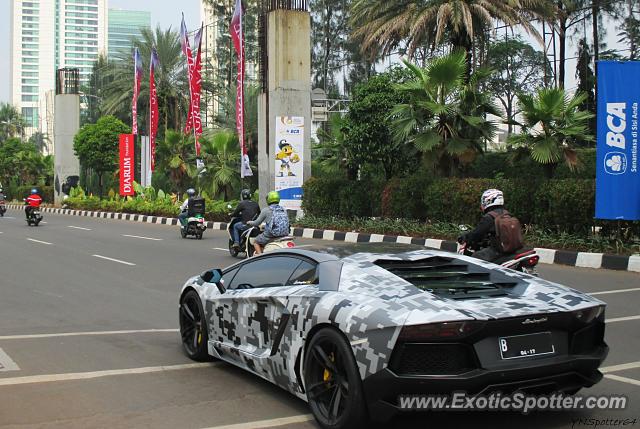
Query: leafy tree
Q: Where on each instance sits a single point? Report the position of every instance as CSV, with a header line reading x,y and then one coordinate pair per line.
x,y
221,155
329,35
552,123
175,156
367,137
444,116
12,123
170,77
587,83
328,156
384,25
96,145
93,92
630,33
23,164
40,141
516,67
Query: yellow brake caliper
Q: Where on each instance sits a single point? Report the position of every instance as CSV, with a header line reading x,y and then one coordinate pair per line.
x,y
326,375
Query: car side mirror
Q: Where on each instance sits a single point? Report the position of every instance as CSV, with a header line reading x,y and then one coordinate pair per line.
x,y
213,276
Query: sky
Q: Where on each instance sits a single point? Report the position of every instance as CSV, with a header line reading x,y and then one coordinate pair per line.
x,y
164,12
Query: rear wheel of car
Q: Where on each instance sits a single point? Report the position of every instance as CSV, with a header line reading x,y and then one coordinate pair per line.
x,y
332,382
193,327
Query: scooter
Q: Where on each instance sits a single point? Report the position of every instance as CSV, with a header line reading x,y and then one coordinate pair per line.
x,y
195,227
34,218
248,238
525,261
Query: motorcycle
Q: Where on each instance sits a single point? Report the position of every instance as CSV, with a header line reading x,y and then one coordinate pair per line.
x,y
34,217
248,238
3,208
524,261
195,226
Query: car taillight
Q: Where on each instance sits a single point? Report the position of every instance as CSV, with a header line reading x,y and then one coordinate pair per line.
x,y
435,331
291,244
588,315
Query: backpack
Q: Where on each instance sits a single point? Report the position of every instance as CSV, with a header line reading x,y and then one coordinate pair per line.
x,y
279,226
508,232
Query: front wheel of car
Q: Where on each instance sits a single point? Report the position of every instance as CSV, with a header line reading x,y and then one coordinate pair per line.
x,y
332,382
193,327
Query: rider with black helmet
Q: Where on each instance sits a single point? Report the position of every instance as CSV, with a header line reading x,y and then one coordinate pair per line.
x,y
184,212
247,210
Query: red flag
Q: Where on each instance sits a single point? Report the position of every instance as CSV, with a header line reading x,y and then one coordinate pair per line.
x,y
153,107
137,76
126,165
194,65
237,35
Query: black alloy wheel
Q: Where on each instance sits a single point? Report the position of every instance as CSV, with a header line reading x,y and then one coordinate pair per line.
x,y
193,327
332,382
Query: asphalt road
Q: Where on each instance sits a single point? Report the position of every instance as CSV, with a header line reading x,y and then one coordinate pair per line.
x,y
88,336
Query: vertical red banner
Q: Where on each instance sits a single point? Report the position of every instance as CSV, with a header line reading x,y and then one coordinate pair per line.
x,y
126,165
153,107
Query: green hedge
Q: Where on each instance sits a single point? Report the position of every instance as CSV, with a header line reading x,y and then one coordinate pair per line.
x,y
19,192
561,206
216,211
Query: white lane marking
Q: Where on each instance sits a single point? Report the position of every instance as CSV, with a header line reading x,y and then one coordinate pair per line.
x,y
41,242
622,379
143,238
114,260
79,227
604,292
48,378
87,333
272,423
622,319
621,367
47,293
220,248
6,363
44,222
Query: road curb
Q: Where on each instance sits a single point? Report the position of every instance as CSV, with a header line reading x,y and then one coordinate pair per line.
x,y
547,256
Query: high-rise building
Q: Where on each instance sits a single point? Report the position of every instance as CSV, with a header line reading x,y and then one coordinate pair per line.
x,y
125,25
47,35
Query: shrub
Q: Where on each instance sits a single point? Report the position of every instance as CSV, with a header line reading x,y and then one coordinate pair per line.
x,y
566,205
404,198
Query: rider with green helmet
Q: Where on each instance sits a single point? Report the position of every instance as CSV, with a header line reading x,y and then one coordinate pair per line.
x,y
276,222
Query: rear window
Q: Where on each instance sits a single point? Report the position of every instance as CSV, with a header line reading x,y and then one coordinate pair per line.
x,y
450,276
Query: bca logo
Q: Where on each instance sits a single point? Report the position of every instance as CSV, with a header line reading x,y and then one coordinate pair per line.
x,y
615,163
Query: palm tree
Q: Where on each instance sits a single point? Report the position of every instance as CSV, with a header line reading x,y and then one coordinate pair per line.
x,y
221,156
175,156
552,124
383,25
445,117
170,77
11,122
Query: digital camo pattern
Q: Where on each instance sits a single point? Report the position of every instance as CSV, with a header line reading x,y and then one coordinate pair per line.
x,y
264,330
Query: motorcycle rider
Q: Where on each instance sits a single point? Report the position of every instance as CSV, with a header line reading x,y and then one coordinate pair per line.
x,y
2,197
184,208
246,210
33,202
492,206
2,202
276,222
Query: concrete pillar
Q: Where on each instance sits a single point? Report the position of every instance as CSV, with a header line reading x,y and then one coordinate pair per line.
x,y
289,89
66,125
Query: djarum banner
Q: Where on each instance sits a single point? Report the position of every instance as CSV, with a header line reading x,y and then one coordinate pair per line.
x,y
617,178
126,165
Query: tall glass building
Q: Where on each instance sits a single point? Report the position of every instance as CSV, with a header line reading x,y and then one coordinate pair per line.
x,y
125,25
47,35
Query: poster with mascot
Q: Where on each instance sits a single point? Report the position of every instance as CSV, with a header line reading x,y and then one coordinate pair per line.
x,y
288,170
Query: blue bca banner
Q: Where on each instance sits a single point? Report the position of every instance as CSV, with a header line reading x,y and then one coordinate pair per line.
x,y
617,178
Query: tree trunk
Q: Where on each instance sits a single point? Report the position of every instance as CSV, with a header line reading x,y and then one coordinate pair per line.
x,y
595,14
562,42
100,173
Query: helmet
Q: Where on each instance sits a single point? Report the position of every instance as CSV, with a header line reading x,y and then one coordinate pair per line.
x,y
491,198
34,191
191,192
273,198
245,194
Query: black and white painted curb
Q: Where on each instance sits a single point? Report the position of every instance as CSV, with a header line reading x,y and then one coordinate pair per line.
x,y
547,256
